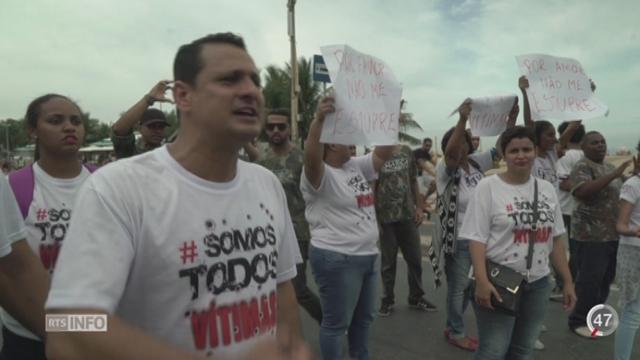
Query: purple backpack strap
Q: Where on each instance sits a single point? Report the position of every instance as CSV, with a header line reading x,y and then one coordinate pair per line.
x,y
22,184
91,167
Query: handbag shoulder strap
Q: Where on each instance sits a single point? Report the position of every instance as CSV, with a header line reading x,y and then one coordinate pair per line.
x,y
534,225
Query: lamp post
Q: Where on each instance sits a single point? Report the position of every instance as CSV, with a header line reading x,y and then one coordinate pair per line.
x,y
295,87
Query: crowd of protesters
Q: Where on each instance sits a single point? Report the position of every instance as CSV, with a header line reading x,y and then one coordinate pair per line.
x,y
192,252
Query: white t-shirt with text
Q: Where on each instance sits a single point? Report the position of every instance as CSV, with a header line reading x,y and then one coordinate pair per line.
x,y
500,216
341,212
191,262
630,192
46,223
468,181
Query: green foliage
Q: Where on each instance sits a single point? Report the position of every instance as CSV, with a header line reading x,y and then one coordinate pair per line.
x,y
407,122
17,133
94,129
277,91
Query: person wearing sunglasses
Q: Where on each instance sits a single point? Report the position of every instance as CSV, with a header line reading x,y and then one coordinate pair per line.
x,y
152,124
285,160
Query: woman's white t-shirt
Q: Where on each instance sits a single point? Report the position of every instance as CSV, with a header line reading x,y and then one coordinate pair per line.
x,y
341,211
500,216
630,192
545,168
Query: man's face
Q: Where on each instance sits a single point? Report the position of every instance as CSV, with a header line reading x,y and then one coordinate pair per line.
x,y
426,146
226,100
595,147
475,141
153,133
277,128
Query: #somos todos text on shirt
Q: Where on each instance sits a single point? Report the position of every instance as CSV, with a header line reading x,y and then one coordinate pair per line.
x,y
500,215
191,262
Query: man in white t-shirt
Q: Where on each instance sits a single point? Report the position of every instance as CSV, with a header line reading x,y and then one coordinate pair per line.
x,y
564,166
23,281
189,251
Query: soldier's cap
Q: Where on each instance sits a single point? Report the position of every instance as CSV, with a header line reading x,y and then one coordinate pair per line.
x,y
153,116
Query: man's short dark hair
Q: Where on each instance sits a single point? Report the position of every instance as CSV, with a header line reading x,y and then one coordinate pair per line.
x,y
589,133
516,132
280,111
152,114
427,139
577,136
188,63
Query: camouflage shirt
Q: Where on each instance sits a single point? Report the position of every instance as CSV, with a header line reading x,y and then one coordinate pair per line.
x,y
125,146
595,219
395,200
288,169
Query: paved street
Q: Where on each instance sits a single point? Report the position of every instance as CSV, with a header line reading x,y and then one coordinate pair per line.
x,y
411,335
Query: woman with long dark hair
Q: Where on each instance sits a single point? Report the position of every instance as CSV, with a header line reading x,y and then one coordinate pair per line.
x,y
46,191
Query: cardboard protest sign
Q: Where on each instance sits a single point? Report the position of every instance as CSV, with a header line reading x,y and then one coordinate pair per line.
x,y
559,89
367,99
489,114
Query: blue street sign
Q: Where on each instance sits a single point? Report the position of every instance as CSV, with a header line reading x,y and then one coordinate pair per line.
x,y
320,72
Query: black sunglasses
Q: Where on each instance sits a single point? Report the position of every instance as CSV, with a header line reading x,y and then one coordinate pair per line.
x,y
281,127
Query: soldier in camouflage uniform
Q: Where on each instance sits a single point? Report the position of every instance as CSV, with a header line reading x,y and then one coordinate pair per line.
x,y
152,124
399,212
596,188
285,160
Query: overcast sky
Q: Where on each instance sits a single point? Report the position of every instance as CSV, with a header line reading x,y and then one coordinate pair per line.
x,y
106,54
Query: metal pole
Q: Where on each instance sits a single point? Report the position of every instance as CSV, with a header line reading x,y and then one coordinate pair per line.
x,y
294,71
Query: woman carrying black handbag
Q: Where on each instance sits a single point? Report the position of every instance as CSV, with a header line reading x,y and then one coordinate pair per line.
x,y
506,212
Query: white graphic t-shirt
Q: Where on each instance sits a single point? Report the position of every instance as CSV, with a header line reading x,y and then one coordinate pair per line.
x,y
468,181
545,167
47,222
191,262
564,166
341,212
500,216
630,192
11,224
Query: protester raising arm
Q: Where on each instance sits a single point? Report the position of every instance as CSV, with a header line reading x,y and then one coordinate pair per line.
x,y
523,84
454,152
131,117
314,149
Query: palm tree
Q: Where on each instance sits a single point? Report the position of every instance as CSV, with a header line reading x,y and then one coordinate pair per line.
x,y
407,122
277,91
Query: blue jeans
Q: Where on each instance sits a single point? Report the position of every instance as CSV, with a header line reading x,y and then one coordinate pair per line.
x,y
458,286
347,288
507,337
626,333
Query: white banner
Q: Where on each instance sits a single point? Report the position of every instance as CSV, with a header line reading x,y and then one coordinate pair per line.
x,y
559,89
489,114
367,99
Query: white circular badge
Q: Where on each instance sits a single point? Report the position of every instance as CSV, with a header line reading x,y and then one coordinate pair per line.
x,y
602,320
